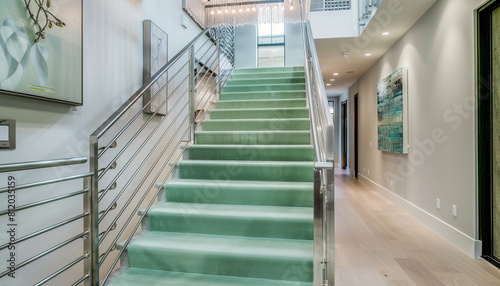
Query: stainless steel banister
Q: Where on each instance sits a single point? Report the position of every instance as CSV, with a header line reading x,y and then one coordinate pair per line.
x,y
12,167
138,94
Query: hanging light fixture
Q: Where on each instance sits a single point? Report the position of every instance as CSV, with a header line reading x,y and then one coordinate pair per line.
x,y
253,12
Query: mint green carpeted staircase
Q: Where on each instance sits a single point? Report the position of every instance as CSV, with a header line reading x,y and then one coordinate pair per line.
x,y
239,211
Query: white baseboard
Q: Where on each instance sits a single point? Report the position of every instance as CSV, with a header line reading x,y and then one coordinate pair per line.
x,y
462,241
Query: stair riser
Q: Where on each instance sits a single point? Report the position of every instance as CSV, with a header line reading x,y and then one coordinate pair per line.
x,y
277,87
189,222
263,95
265,81
267,75
241,195
259,114
278,268
249,153
254,138
227,172
266,125
260,104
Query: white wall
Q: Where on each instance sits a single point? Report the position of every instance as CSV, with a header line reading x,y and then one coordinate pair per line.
x,y
112,72
294,51
439,54
335,24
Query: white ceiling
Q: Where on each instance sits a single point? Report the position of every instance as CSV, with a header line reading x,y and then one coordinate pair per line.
x,y
354,63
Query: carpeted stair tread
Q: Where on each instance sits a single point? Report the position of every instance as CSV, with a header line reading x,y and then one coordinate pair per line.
x,y
223,170
256,124
140,277
261,81
269,74
260,103
233,220
249,95
268,258
265,87
251,152
296,194
260,113
254,137
269,69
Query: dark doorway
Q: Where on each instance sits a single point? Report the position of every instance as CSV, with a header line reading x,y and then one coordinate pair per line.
x,y
356,169
343,114
489,129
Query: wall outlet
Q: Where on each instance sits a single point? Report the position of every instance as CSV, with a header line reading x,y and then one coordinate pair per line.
x,y
370,143
368,171
438,203
392,182
454,210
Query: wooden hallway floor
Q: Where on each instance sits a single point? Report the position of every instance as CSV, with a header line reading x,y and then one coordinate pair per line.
x,y
377,244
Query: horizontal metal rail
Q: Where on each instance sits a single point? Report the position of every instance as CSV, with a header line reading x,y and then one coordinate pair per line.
x,y
68,266
42,231
41,164
44,202
48,182
48,251
85,277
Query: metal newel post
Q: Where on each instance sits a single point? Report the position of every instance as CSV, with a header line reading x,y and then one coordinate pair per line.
x,y
330,206
191,94
219,78
91,205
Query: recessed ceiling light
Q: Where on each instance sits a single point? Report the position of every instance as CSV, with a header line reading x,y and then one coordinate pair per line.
x,y
274,51
328,84
332,79
336,73
368,54
385,33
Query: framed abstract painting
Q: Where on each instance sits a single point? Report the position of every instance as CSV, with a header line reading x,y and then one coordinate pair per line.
x,y
41,49
392,110
155,49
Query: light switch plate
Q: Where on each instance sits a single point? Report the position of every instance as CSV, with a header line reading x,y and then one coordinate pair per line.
x,y
7,134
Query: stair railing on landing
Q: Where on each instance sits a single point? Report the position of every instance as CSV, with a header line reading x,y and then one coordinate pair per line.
x,y
323,139
132,154
13,213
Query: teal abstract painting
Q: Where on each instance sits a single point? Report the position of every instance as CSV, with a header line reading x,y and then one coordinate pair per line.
x,y
392,102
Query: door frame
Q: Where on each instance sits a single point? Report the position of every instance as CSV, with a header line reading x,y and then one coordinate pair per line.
x,y
356,137
484,127
343,132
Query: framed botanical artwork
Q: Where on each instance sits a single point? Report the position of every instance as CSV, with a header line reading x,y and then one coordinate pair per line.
x,y
155,57
41,49
392,109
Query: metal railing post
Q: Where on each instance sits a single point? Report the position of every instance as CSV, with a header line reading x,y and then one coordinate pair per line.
x,y
219,78
91,206
330,207
191,94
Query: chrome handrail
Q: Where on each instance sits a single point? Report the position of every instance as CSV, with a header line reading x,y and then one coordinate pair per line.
x,y
13,169
322,137
23,166
133,143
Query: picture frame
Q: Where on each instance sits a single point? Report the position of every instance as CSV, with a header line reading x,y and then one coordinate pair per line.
x,y
41,57
155,52
392,110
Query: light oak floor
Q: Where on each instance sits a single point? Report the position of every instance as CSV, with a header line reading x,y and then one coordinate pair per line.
x,y
378,244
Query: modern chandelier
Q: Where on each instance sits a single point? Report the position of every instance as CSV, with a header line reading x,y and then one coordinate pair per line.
x,y
213,13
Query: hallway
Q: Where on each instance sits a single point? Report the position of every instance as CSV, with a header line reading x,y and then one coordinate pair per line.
x,y
379,244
